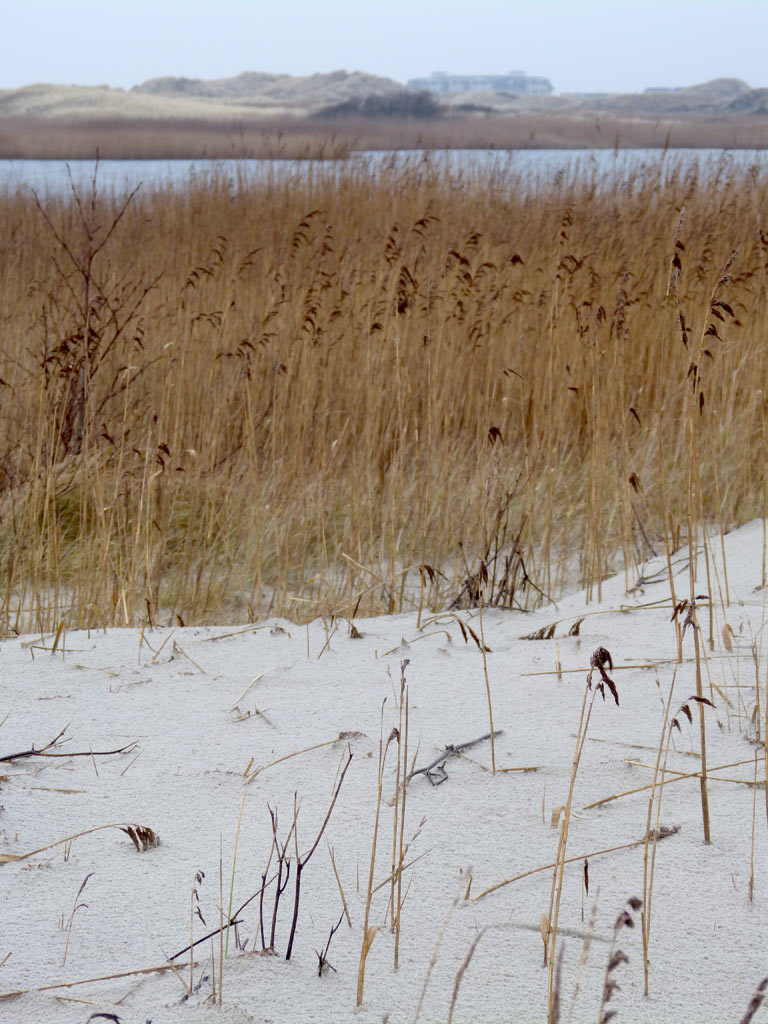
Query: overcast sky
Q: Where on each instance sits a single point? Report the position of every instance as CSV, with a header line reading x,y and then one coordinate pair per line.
x,y
580,45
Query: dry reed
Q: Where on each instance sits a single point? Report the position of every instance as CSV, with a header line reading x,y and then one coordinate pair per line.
x,y
213,396
299,138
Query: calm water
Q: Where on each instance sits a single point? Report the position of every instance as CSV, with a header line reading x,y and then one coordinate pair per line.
x,y
49,177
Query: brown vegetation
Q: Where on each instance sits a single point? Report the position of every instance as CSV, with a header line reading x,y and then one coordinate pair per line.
x,y
224,402
333,138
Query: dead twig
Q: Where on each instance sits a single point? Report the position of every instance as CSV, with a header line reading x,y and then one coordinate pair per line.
x,y
231,922
34,751
452,750
45,751
461,971
88,981
301,862
663,833
77,906
250,775
324,963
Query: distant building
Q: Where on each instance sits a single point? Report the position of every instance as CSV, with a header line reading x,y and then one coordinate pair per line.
x,y
514,81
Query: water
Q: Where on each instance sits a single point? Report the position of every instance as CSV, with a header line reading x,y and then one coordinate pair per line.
x,y
56,177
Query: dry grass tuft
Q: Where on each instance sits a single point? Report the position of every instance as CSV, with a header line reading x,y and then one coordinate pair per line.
x,y
142,836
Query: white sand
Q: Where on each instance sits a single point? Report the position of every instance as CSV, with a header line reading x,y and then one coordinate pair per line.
x,y
708,941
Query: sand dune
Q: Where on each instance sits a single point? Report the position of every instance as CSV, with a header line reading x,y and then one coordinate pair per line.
x,y
254,95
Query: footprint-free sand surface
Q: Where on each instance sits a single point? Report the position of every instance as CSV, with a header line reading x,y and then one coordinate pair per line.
x,y
215,726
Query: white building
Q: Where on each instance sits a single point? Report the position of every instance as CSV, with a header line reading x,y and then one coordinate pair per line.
x,y
513,81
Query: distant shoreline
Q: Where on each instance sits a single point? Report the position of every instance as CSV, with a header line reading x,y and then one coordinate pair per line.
x,y
296,138
328,116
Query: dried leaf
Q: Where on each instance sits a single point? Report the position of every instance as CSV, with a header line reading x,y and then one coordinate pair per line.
x,y
612,687
476,638
370,935
723,305
702,700
142,837
600,658
556,812
617,959
545,633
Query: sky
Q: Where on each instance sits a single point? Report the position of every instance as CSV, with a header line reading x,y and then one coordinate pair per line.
x,y
580,45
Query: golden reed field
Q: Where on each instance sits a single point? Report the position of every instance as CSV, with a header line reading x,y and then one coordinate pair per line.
x,y
302,138
342,393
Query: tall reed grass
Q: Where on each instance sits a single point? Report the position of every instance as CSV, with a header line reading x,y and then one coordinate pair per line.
x,y
275,136
210,396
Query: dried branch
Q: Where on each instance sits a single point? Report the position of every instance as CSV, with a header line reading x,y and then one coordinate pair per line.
x,y
452,750
301,862
45,751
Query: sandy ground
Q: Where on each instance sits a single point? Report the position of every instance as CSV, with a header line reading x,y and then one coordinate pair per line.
x,y
210,718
